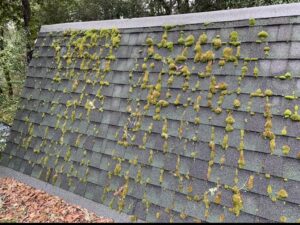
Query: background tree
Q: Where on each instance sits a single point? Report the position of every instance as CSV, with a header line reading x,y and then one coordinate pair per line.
x,y
21,20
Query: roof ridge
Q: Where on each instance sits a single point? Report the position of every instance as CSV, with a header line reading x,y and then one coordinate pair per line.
x,y
272,11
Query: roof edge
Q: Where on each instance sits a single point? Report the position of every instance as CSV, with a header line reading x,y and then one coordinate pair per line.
x,y
281,10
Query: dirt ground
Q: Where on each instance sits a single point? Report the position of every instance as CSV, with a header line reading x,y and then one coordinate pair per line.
x,y
22,203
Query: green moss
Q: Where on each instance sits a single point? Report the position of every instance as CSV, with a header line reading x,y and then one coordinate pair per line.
x,y
288,75
263,35
157,57
189,41
217,42
268,92
185,86
252,22
162,103
282,193
208,56
170,45
177,100
222,62
283,219
287,113
150,51
228,54
229,122
185,71
286,149
237,202
164,132
236,103
225,142
257,93
244,70
241,160
290,97
57,78
197,121
203,39
284,131
218,110
234,36
255,71
180,58
181,40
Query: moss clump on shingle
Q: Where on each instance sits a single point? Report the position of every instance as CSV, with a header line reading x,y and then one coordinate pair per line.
x,y
203,39
208,56
252,22
185,71
149,41
286,149
237,202
189,41
287,113
287,75
217,42
234,36
284,131
57,78
157,57
257,93
225,142
180,58
177,100
282,193
164,132
268,92
229,122
255,71
227,52
291,97
181,40
236,103
263,35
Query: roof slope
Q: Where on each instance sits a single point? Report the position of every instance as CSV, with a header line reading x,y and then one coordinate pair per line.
x,y
195,122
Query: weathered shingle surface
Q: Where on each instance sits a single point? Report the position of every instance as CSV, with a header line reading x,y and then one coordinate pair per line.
x,y
164,140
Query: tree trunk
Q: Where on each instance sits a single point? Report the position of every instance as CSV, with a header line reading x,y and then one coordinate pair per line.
x,y
1,47
8,82
26,17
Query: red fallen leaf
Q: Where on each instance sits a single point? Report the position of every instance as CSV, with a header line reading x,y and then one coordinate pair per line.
x,y
25,204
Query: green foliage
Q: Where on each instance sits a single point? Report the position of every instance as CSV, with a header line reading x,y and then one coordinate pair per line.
x,y
12,73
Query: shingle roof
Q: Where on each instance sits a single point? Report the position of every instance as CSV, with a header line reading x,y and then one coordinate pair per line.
x,y
197,122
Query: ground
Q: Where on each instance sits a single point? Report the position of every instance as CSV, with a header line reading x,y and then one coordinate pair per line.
x,y
22,203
